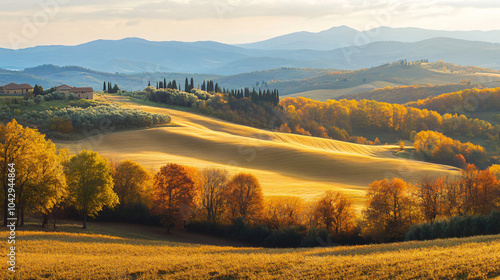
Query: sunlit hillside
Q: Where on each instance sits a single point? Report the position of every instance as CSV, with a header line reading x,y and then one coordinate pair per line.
x,y
284,163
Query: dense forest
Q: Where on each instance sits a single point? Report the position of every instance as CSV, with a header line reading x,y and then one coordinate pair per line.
x,y
339,119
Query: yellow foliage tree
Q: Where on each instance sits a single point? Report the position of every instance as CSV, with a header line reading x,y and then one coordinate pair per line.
x,y
132,183
39,181
390,209
282,211
335,211
90,183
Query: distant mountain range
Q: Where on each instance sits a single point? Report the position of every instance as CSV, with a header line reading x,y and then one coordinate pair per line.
x,y
344,36
340,47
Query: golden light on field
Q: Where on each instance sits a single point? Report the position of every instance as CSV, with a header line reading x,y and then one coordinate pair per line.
x,y
103,256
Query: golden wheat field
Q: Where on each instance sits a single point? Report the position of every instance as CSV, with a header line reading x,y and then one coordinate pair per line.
x,y
111,252
285,164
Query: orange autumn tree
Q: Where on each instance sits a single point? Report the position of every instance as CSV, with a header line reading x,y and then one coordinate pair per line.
x,y
335,211
390,210
214,190
174,193
480,190
430,196
282,211
245,197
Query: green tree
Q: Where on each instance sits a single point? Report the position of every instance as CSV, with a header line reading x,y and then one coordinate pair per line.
x,y
37,90
90,183
104,86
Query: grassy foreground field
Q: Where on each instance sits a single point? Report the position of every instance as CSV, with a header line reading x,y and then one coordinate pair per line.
x,y
285,164
104,252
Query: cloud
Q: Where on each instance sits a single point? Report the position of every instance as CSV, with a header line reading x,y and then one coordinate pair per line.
x,y
195,9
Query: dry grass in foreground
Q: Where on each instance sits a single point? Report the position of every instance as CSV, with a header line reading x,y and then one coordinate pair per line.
x,y
92,255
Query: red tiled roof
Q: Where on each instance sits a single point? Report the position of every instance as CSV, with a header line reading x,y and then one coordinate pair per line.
x,y
14,86
81,89
63,86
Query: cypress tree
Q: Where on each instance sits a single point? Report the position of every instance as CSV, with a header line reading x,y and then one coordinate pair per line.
x,y
191,86
164,83
104,86
186,85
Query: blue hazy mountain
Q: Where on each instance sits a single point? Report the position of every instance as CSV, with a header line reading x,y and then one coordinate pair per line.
x,y
335,48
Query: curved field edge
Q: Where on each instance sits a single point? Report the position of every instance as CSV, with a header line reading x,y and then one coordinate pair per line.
x,y
59,255
285,164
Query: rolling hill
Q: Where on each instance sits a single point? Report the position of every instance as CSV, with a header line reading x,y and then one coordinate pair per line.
x,y
339,83
404,94
320,84
284,163
50,75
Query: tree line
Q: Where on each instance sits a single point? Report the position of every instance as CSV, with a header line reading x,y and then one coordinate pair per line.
x,y
82,116
462,101
340,119
436,147
109,88
211,87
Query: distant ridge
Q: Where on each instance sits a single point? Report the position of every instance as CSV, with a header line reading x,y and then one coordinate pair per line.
x,y
338,47
343,36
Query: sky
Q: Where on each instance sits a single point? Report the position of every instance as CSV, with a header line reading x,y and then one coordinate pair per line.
x,y
27,23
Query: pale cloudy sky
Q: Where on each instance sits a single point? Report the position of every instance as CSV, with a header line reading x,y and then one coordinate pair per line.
x,y
25,23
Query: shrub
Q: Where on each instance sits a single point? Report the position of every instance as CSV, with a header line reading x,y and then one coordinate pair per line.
x,y
458,226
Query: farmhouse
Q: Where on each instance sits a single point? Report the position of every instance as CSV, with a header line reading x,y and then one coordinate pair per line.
x,y
83,92
64,88
17,89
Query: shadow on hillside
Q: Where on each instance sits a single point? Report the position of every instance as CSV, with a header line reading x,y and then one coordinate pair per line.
x,y
120,233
